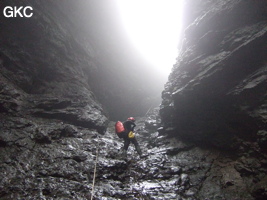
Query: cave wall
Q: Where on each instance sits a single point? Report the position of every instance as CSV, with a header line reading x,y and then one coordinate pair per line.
x,y
45,72
60,72
216,92
70,53
49,106
215,96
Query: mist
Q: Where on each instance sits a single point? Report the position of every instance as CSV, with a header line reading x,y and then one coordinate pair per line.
x,y
133,75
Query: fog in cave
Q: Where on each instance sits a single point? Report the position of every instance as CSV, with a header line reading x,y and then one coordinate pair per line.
x,y
140,60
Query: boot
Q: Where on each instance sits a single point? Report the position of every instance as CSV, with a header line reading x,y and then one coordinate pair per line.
x,y
139,151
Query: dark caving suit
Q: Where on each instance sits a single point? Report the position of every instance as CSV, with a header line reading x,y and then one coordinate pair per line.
x,y
129,126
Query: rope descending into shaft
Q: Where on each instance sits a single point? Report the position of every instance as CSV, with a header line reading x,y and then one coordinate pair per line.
x,y
148,110
96,160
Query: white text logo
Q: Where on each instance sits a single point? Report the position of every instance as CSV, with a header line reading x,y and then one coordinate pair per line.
x,y
18,12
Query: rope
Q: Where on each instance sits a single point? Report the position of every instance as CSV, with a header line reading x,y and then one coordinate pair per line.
x,y
148,110
96,160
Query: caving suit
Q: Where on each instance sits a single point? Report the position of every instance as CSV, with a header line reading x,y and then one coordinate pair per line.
x,y
129,126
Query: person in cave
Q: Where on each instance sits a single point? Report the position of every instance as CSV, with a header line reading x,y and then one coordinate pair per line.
x,y
129,137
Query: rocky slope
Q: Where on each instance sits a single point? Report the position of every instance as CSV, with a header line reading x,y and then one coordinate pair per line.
x,y
52,160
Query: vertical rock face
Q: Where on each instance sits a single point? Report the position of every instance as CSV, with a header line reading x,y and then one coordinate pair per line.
x,y
44,70
77,49
216,92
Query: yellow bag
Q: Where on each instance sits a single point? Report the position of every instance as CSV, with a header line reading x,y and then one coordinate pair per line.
x,y
131,134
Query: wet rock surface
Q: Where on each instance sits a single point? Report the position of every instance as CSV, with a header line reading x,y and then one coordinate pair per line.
x,y
216,94
48,159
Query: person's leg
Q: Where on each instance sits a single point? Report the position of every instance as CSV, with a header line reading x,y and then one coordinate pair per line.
x,y
125,147
126,144
137,147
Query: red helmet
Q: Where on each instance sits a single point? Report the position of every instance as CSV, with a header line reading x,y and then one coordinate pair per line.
x,y
131,119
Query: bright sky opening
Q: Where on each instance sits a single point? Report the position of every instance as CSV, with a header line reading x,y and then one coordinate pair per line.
x,y
154,28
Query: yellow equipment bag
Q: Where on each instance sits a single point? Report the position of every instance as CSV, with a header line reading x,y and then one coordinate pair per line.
x,y
131,134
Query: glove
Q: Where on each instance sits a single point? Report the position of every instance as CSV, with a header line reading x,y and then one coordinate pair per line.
x,y
131,134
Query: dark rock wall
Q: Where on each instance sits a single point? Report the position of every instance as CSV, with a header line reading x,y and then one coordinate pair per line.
x,y
44,69
55,68
217,89
216,93
76,48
